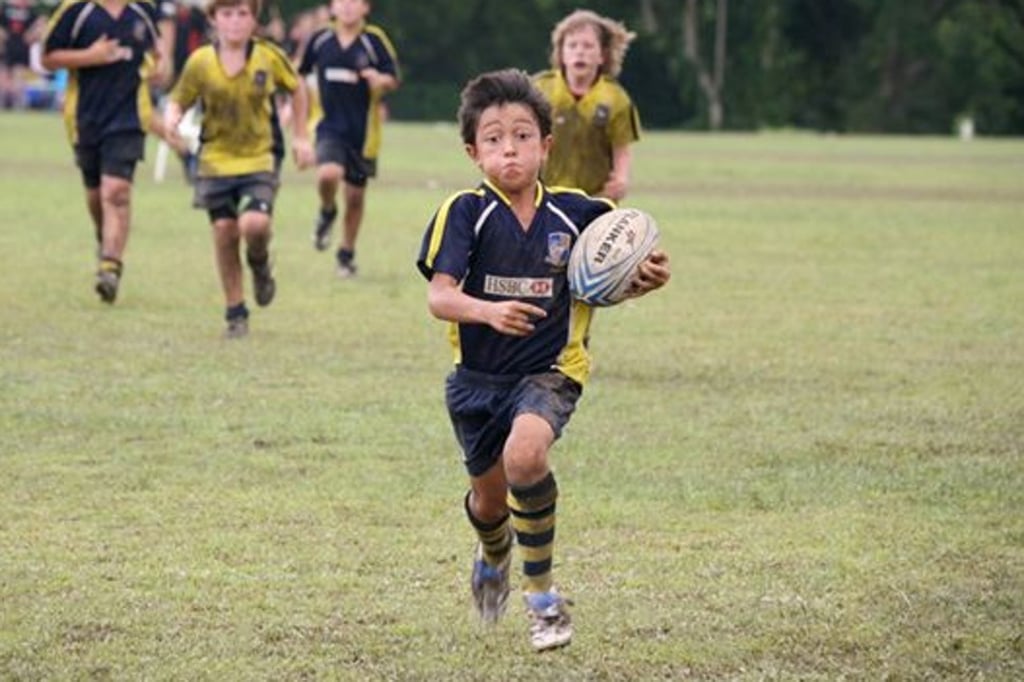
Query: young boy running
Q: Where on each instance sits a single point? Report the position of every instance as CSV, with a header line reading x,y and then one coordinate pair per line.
x,y
496,257
235,79
103,44
595,121
355,66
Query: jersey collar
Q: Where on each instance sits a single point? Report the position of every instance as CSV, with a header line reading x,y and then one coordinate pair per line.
x,y
538,198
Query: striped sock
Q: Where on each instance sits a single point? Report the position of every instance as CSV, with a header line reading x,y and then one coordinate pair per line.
x,y
495,537
533,518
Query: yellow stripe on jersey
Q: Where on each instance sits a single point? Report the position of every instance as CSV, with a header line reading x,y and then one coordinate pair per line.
x,y
371,147
574,360
436,235
440,221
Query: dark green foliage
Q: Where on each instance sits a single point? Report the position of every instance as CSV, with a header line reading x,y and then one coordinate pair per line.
x,y
831,65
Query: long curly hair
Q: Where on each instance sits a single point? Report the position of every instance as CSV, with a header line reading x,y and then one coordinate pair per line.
x,y
614,37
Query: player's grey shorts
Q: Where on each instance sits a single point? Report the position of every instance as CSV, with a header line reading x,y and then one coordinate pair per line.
x,y
482,407
332,149
228,196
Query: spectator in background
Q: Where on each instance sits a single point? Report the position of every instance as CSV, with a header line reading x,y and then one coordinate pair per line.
x,y
20,26
595,121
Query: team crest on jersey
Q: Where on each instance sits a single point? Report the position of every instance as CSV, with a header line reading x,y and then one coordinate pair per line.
x,y
259,79
601,115
139,31
559,244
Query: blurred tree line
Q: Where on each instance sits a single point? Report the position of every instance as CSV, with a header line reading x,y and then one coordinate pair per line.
x,y
894,66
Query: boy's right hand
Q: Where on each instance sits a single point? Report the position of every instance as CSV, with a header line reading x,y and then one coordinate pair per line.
x,y
105,50
514,318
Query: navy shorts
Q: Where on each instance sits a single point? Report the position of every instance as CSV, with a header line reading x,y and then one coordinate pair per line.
x,y
358,169
114,155
228,196
482,407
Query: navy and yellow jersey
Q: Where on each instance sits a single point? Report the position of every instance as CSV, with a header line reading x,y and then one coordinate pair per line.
x,y
586,130
350,107
477,239
110,98
239,126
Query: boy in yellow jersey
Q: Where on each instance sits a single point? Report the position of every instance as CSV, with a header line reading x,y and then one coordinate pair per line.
x,y
355,65
103,44
595,121
495,258
235,80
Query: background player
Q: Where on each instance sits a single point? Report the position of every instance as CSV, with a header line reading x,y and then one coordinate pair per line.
x,y
595,121
355,65
107,106
236,79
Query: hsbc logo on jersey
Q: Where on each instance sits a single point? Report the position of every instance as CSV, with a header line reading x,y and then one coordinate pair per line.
x,y
519,287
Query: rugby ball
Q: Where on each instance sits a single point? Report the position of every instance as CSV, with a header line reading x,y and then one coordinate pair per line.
x,y
607,254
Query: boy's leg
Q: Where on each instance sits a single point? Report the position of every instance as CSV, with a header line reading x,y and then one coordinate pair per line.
x,y
229,264
255,229
355,200
95,208
115,203
544,406
486,509
532,492
328,177
115,210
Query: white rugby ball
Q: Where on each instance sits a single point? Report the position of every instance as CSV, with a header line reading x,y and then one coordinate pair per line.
x,y
607,253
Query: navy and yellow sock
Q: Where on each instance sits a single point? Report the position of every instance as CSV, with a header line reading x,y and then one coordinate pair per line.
x,y
113,265
495,537
533,518
237,311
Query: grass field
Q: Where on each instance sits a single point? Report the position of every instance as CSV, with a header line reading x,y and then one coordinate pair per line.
x,y
801,460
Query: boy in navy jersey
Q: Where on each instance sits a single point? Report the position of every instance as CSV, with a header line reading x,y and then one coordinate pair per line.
x,y
496,257
355,65
103,44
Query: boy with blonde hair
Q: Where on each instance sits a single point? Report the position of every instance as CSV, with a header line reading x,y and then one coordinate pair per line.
x,y
595,121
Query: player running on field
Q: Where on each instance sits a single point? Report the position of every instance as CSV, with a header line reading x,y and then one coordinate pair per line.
x,y
355,66
235,79
496,257
103,44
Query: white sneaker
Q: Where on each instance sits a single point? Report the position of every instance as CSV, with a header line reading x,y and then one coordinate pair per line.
x,y
550,624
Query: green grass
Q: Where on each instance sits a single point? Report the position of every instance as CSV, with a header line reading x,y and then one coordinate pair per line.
x,y
801,460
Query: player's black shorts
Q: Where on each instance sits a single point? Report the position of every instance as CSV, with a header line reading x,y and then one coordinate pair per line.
x,y
16,51
228,196
482,407
114,155
358,169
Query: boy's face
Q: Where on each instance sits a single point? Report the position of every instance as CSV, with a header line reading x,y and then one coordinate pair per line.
x,y
581,54
234,24
350,12
509,148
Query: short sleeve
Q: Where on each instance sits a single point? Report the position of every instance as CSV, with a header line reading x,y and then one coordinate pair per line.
x,y
448,240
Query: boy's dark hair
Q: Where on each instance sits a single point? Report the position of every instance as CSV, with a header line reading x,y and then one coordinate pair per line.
x,y
508,86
